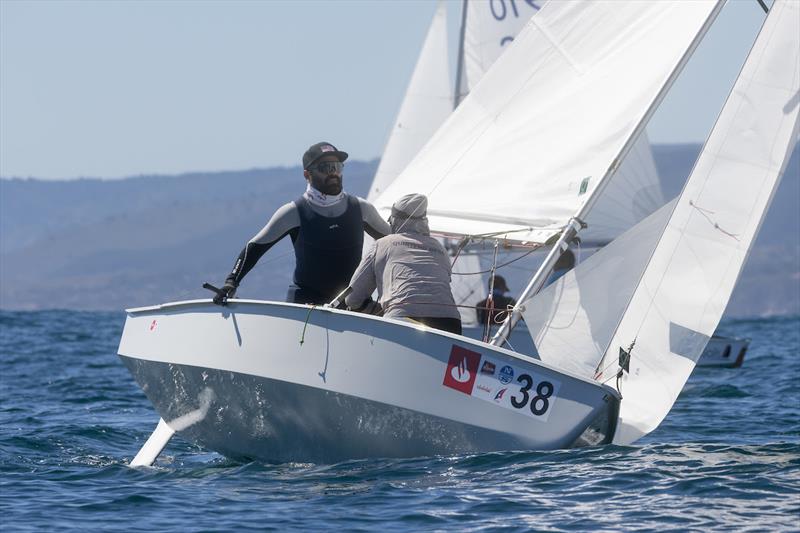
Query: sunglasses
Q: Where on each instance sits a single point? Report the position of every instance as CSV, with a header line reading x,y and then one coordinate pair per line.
x,y
329,167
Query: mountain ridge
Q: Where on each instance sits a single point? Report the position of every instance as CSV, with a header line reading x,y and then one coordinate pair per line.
x,y
110,244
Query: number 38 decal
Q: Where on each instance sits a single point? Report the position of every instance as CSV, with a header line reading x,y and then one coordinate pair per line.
x,y
539,403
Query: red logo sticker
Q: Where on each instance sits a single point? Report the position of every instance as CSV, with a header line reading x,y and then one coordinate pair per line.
x,y
462,369
153,325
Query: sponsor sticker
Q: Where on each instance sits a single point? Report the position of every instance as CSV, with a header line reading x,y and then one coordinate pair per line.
x,y
499,396
488,368
153,325
522,388
462,369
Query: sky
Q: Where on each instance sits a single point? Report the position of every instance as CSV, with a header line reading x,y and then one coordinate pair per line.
x,y
112,89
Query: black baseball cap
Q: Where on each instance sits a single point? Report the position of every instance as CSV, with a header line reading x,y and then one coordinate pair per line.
x,y
315,151
499,283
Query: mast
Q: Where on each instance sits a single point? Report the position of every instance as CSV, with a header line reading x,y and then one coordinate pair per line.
x,y
577,222
460,59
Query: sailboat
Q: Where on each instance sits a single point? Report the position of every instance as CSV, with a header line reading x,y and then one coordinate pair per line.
x,y
617,337
487,30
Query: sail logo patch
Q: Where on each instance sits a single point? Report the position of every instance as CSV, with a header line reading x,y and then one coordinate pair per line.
x,y
462,369
584,185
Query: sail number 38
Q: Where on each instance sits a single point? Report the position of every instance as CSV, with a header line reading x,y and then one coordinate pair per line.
x,y
538,403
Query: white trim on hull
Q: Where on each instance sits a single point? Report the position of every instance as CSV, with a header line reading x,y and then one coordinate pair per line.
x,y
358,386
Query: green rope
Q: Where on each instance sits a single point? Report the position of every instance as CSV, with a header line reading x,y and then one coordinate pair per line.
x,y
305,325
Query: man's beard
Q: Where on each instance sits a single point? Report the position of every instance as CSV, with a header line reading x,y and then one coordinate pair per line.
x,y
330,185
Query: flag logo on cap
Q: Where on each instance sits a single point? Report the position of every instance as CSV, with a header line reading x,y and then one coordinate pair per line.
x,y
327,148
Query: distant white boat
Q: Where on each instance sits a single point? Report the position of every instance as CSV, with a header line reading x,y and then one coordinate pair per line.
x,y
617,336
722,352
725,352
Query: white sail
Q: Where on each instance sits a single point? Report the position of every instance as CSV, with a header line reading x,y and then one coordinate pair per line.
x,y
468,286
515,138
572,320
664,285
691,275
632,194
489,27
426,104
635,191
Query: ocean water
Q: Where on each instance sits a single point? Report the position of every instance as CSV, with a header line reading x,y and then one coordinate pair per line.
x,y
726,458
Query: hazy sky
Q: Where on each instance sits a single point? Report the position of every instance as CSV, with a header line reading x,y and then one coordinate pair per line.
x,y
113,89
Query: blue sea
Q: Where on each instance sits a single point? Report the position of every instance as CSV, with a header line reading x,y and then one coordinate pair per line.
x,y
726,458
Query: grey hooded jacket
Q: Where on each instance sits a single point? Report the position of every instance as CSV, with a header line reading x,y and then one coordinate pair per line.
x,y
411,272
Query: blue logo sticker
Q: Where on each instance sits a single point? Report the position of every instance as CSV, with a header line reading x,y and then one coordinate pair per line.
x,y
506,374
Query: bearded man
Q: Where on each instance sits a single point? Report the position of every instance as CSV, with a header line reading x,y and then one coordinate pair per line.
x,y
326,226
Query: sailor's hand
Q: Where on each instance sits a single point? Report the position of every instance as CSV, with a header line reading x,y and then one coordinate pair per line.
x,y
228,291
373,308
370,307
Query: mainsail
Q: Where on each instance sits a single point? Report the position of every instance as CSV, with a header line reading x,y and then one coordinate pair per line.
x,y
522,139
634,191
426,104
488,29
659,291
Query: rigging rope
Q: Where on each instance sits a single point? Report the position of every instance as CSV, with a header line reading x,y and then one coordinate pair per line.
x,y
706,213
305,324
494,268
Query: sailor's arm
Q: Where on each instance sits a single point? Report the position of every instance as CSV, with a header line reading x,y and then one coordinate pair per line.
x,y
374,225
281,224
363,283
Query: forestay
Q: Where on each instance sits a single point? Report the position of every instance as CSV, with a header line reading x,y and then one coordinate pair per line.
x,y
518,156
426,104
663,286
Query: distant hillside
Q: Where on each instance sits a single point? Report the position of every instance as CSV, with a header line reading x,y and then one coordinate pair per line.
x,y
96,244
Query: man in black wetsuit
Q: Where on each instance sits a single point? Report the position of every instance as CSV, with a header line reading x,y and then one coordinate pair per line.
x,y
327,228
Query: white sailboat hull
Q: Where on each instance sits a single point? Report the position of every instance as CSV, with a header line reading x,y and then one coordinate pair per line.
x,y
237,380
724,352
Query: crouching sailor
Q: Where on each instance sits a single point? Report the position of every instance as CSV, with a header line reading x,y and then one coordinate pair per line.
x,y
326,226
410,269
